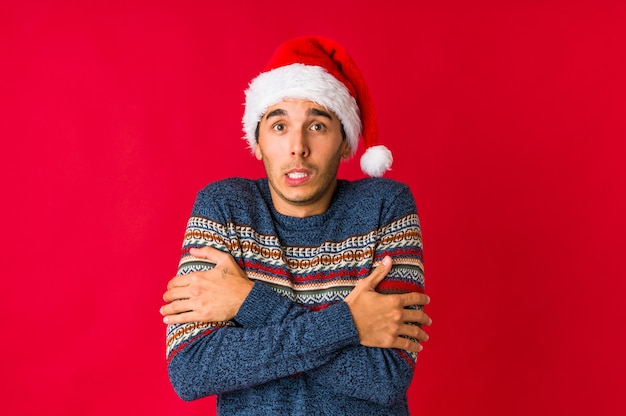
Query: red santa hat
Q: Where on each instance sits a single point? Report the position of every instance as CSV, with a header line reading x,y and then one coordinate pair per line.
x,y
319,70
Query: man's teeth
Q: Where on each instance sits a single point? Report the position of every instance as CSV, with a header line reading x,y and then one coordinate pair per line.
x,y
296,175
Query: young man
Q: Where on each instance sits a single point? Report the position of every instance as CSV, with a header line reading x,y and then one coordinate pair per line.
x,y
300,293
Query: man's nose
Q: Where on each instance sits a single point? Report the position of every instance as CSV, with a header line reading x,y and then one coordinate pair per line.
x,y
299,143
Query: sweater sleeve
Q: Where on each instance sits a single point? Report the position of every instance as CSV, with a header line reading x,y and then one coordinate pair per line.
x,y
376,374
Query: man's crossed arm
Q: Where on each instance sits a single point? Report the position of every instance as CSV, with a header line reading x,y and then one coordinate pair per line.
x,y
215,295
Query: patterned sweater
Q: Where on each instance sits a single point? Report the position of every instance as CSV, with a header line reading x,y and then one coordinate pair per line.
x,y
293,348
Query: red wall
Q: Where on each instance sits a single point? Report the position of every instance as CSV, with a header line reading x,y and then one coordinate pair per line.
x,y
507,119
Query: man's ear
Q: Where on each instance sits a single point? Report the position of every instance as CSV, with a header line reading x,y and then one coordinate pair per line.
x,y
257,151
345,153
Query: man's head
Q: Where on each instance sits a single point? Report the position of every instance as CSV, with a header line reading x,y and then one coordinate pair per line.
x,y
319,70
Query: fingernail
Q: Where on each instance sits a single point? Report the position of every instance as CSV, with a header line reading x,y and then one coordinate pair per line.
x,y
386,261
166,320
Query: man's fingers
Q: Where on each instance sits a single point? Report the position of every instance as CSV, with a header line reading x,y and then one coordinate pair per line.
x,y
176,293
178,281
379,273
410,338
414,331
175,308
208,253
417,317
181,318
407,344
414,299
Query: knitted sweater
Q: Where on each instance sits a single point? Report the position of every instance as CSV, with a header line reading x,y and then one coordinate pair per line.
x,y
293,348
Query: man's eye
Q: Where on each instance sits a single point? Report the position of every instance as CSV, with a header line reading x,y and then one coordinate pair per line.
x,y
278,127
318,127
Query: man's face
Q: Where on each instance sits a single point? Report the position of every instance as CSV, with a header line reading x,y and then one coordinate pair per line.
x,y
301,145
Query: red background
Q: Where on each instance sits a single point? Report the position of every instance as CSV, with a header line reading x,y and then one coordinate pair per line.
x,y
507,119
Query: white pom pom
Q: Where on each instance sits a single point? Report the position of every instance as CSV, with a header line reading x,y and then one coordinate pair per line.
x,y
376,161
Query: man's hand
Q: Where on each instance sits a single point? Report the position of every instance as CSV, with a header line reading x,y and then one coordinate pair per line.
x,y
210,296
382,320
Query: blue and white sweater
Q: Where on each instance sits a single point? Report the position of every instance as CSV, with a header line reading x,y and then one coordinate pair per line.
x,y
293,348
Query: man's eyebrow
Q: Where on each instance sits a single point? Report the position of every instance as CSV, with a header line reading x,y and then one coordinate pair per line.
x,y
310,112
319,113
276,113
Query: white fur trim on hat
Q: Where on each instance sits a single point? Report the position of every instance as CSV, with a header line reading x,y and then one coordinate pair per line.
x,y
376,161
306,82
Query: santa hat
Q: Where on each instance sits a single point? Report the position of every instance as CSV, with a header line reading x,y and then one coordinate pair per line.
x,y
319,70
